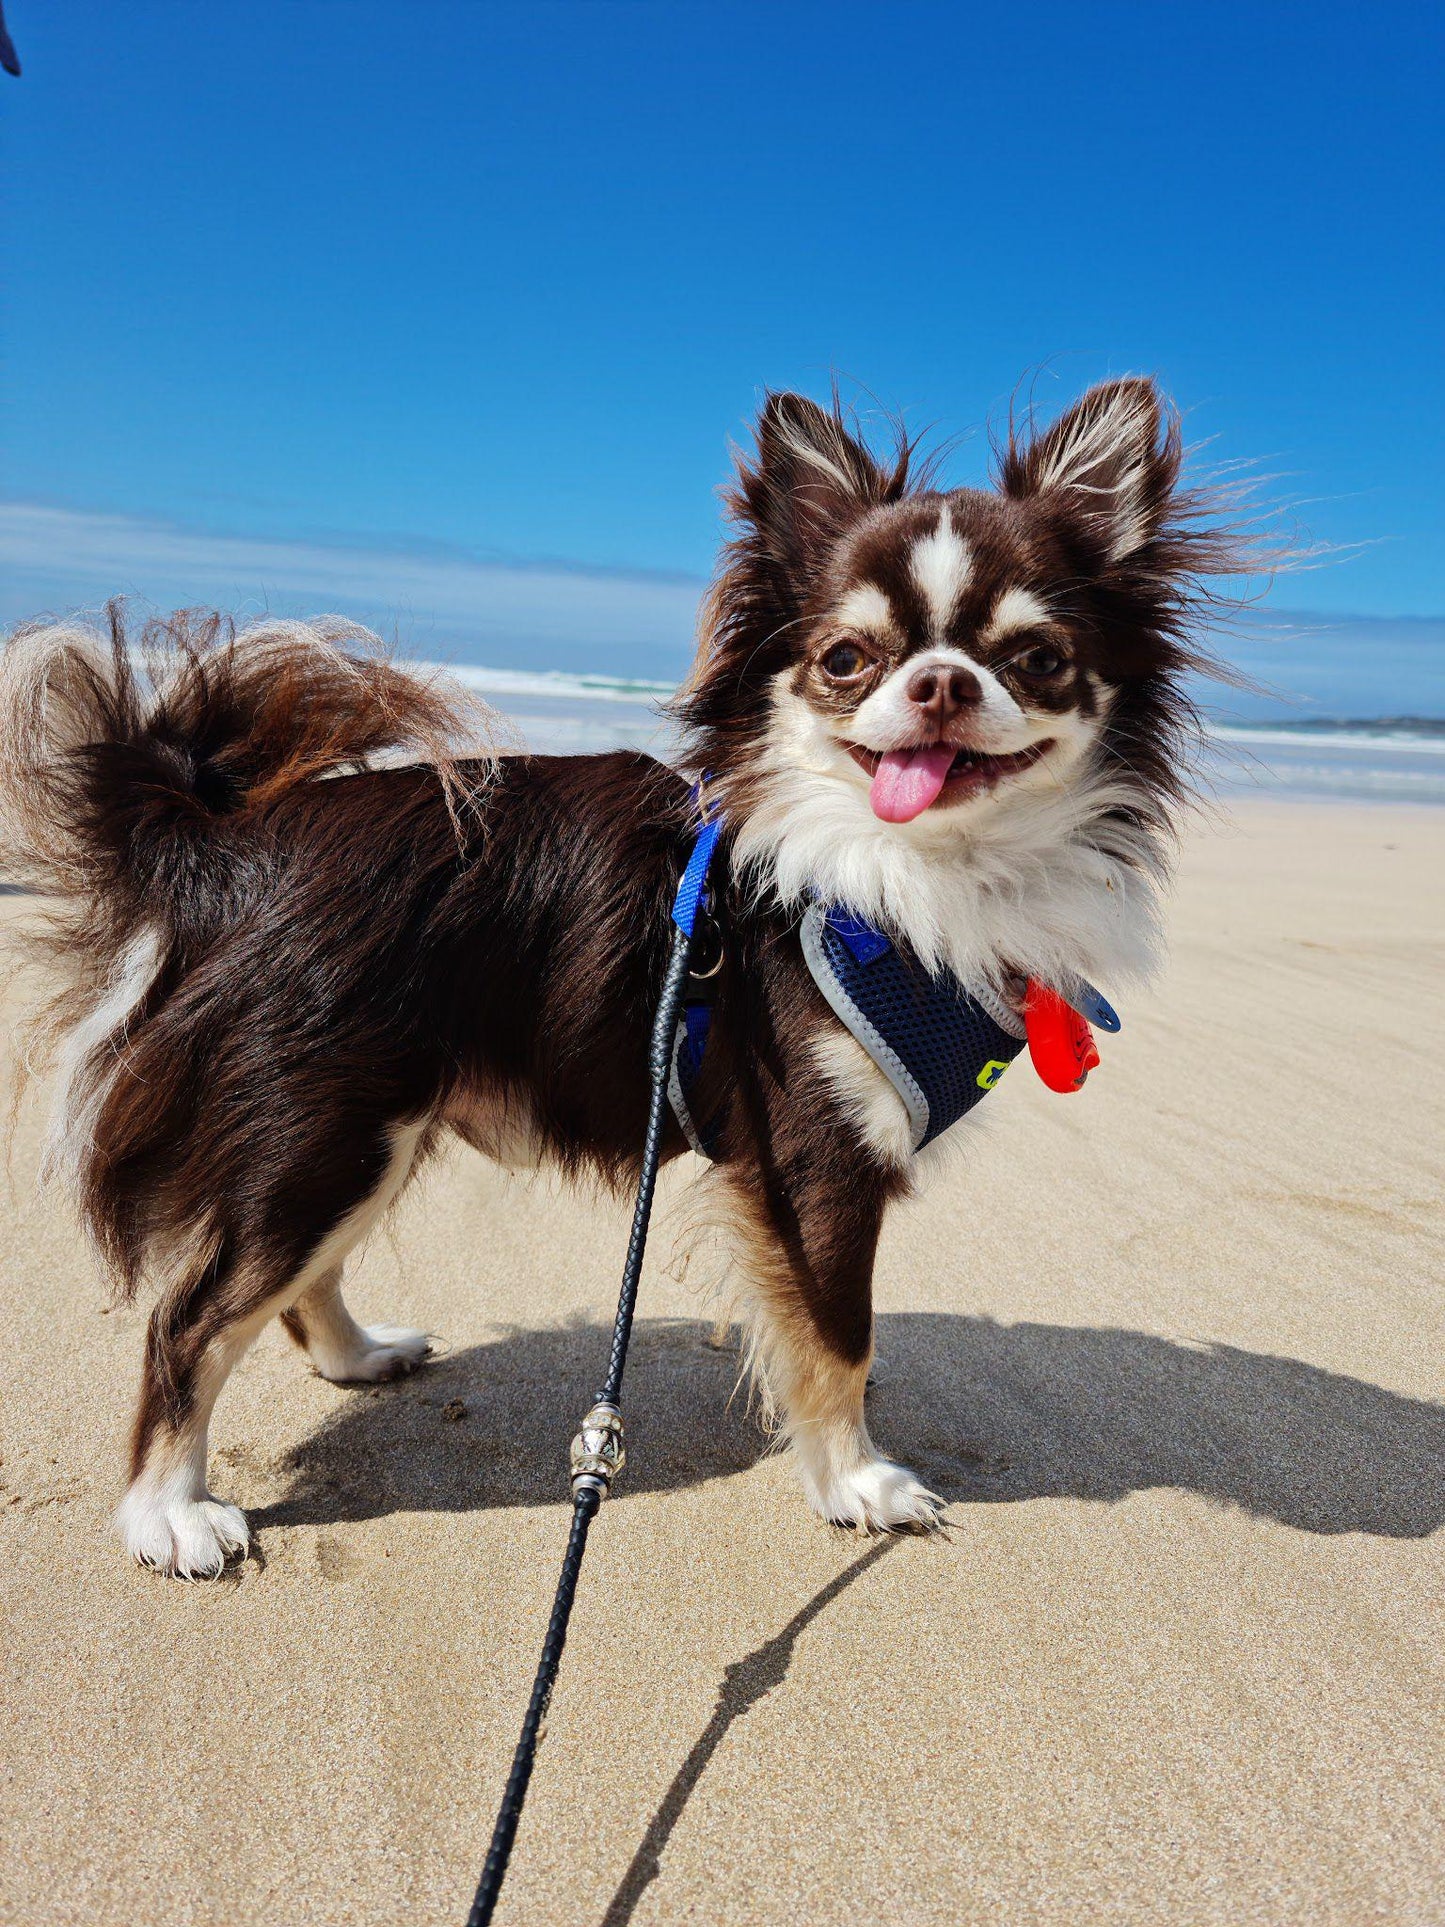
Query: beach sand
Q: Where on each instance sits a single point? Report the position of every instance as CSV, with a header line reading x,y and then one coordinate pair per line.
x,y
1171,1348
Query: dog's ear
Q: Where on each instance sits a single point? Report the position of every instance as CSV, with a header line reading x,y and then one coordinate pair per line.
x,y
1109,466
811,480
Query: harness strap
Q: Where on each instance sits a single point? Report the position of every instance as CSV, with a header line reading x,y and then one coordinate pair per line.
x,y
694,878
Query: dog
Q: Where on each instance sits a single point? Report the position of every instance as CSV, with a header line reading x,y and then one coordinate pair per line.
x,y
307,931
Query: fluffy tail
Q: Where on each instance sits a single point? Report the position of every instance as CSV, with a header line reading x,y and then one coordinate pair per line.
x,y
126,761
117,753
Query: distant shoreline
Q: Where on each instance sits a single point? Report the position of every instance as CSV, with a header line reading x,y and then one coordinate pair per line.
x,y
1399,759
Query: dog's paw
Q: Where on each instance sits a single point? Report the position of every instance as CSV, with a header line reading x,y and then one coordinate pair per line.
x,y
386,1351
184,1537
875,1495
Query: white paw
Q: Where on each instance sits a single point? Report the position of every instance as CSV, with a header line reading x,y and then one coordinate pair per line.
x,y
388,1351
873,1495
189,1538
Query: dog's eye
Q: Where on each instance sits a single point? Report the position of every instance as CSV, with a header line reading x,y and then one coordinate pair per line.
x,y
844,661
1041,662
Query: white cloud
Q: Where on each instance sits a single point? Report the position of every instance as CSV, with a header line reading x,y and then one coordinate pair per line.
x,y
434,604
534,618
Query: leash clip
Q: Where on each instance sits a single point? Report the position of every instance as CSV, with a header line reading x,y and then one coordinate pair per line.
x,y
599,1450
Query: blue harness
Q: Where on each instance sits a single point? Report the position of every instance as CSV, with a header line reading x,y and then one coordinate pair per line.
x,y
941,1044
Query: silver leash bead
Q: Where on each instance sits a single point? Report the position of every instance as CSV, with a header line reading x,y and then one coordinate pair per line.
x,y
598,1452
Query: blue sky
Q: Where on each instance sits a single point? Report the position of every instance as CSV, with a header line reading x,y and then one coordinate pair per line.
x,y
455,308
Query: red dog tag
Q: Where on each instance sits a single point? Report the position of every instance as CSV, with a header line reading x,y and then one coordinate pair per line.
x,y
1060,1041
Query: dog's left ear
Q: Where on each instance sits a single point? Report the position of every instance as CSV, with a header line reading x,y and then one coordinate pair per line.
x,y
811,480
1109,465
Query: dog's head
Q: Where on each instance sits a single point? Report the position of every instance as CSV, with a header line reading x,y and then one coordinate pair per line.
x,y
922,664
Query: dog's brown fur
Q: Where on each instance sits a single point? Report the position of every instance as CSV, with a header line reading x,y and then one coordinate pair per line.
x,y
311,980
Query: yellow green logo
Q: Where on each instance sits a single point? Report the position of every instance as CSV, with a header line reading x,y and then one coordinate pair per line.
x,y
992,1071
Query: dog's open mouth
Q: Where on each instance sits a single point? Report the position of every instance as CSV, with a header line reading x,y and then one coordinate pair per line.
x,y
906,782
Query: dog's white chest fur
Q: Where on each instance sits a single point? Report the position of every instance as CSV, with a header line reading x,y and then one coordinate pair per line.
x,y
1051,882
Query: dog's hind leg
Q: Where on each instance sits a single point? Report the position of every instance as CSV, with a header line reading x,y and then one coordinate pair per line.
x,y
202,1327
342,1350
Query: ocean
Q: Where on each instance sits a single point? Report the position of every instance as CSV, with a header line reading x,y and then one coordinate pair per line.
x,y
1395,759
1330,704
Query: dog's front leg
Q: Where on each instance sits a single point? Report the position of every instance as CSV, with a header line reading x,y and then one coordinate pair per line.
x,y
807,1254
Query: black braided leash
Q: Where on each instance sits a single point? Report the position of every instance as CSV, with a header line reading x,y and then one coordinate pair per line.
x,y
598,1453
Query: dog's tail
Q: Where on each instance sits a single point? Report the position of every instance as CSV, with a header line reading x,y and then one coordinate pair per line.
x,y
129,763
118,755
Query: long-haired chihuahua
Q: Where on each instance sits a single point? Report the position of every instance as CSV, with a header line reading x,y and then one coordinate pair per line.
x,y
291,967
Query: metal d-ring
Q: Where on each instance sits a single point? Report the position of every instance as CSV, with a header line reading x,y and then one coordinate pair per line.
x,y
711,944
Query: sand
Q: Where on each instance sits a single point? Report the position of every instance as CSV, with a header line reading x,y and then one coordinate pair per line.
x,y
1170,1348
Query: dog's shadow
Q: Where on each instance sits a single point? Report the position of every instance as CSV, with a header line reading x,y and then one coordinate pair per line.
x,y
985,1412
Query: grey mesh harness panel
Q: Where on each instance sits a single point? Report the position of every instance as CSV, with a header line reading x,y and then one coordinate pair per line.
x,y
941,1045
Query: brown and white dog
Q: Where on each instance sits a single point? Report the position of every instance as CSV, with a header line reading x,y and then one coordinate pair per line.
x,y
959,713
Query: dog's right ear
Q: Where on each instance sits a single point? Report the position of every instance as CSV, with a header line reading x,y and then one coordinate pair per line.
x,y
812,478
808,483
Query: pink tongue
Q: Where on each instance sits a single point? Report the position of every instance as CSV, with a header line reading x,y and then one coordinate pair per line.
x,y
908,780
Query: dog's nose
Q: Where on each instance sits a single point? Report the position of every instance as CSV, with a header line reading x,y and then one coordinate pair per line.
x,y
940,690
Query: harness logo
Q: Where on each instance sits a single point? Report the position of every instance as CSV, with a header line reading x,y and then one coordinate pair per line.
x,y
992,1071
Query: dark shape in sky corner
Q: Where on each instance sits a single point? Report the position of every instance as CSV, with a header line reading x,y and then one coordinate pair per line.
x,y
9,59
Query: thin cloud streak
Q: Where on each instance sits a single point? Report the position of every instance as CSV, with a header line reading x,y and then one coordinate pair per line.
x,y
632,625
610,622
